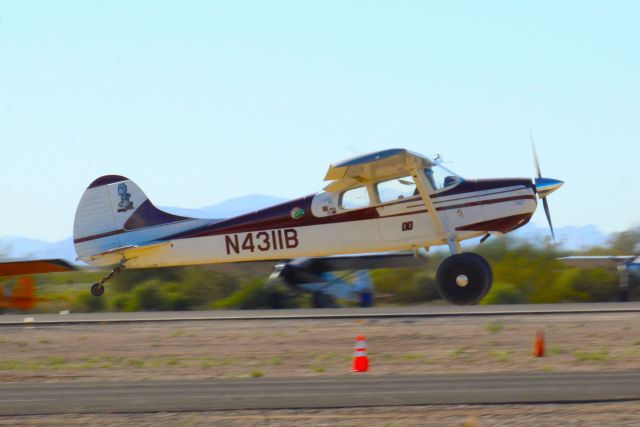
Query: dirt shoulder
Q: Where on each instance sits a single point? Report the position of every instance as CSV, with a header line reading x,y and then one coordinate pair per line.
x,y
279,348
584,415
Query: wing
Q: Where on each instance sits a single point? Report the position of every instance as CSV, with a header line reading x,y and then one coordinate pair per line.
x,y
370,167
19,268
596,261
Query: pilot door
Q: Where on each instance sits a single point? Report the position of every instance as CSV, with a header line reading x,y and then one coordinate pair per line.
x,y
403,215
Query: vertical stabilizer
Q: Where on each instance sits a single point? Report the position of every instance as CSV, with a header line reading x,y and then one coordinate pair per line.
x,y
114,212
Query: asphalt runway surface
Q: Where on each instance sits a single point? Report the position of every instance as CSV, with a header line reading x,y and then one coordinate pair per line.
x,y
356,390
423,311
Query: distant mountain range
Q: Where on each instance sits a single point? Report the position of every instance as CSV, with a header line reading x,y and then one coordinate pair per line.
x,y
22,247
228,208
569,238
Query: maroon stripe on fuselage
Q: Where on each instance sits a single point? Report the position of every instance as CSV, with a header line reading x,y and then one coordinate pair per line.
x,y
478,203
278,216
99,236
503,225
470,185
485,202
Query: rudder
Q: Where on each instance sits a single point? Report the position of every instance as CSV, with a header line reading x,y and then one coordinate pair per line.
x,y
111,207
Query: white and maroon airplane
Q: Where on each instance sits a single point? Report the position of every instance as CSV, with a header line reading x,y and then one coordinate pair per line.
x,y
391,200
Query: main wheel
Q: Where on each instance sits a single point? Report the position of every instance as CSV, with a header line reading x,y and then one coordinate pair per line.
x,y
489,270
463,279
97,289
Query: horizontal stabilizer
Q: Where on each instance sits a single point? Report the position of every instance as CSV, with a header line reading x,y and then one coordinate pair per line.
x,y
130,248
114,215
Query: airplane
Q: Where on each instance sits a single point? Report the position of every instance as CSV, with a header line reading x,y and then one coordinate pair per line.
x,y
628,266
23,296
386,201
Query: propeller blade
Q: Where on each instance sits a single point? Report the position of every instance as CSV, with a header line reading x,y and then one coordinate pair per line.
x,y
546,211
535,155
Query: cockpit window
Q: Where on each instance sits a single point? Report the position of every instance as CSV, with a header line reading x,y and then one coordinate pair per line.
x,y
355,198
395,189
441,177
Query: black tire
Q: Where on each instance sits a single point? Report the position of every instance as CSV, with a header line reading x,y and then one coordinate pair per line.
x,y
623,295
489,271
477,271
97,289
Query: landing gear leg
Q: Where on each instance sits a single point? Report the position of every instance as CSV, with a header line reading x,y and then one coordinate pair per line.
x,y
97,289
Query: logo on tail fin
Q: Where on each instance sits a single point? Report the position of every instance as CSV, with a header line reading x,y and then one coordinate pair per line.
x,y
125,203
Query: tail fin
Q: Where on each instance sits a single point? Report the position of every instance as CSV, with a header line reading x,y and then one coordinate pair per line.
x,y
114,212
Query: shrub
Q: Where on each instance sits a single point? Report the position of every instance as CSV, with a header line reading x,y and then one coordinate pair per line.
x,y
504,293
87,303
253,295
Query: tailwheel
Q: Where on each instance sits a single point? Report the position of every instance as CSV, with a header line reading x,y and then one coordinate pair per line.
x,y
97,289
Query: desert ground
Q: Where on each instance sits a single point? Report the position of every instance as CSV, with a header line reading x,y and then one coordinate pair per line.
x,y
583,415
286,348
299,348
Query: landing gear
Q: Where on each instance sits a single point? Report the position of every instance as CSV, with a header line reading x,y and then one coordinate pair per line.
x,y
97,289
464,278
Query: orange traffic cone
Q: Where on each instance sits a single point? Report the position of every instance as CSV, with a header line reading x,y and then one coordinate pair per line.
x,y
360,358
538,346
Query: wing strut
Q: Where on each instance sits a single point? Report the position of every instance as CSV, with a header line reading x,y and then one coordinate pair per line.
x,y
446,233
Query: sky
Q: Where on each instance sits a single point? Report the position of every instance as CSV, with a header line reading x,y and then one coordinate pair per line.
x,y
199,102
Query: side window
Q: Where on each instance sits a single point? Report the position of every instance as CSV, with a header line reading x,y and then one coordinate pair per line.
x,y
355,198
395,189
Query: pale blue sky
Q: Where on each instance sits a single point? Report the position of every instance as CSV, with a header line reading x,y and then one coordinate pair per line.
x,y
199,102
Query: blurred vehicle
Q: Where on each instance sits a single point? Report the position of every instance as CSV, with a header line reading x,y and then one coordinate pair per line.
x,y
628,267
23,295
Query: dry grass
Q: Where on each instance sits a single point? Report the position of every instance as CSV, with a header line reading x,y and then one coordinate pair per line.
x,y
278,348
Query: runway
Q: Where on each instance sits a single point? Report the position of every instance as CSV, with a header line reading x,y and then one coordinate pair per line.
x,y
423,311
356,390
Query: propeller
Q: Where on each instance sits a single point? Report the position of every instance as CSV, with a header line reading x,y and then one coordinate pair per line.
x,y
544,187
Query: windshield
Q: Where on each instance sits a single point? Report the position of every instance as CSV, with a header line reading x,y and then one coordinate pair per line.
x,y
441,177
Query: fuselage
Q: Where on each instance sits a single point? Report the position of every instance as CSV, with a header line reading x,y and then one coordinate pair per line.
x,y
321,225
